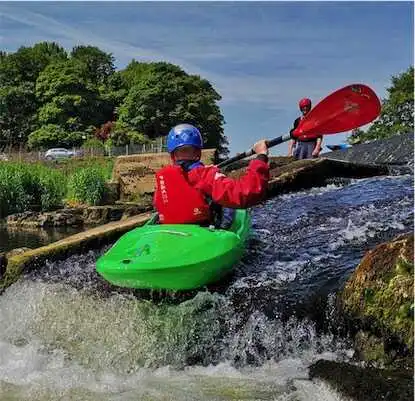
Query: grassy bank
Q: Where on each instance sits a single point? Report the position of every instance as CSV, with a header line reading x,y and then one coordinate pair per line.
x,y
69,166
46,186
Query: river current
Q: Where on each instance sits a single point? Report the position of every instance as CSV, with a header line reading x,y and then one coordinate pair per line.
x,y
66,335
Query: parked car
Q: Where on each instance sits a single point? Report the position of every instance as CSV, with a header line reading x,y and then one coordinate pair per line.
x,y
58,153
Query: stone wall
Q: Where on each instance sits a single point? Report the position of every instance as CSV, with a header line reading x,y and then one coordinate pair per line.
x,y
135,173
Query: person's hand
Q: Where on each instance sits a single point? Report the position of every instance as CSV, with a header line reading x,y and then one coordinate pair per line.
x,y
261,148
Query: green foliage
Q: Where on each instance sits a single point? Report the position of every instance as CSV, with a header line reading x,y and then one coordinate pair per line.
x,y
99,65
42,87
87,186
22,185
93,143
53,135
27,63
122,134
397,116
162,95
17,113
68,95
93,147
25,184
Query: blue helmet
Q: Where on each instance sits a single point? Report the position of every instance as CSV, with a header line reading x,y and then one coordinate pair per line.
x,y
182,135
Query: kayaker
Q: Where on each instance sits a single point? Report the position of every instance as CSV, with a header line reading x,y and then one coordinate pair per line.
x,y
304,149
188,192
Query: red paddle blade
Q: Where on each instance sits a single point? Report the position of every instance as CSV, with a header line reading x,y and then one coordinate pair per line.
x,y
345,109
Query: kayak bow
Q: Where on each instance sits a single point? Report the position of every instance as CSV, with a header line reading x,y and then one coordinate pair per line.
x,y
174,256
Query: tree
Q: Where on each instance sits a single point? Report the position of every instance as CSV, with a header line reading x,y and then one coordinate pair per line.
x,y
17,113
27,63
99,65
68,98
397,116
53,135
136,72
103,133
44,91
163,95
18,74
123,134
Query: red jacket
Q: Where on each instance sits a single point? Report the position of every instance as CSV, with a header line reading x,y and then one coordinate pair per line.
x,y
241,193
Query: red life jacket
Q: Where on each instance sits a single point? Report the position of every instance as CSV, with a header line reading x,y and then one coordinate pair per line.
x,y
177,202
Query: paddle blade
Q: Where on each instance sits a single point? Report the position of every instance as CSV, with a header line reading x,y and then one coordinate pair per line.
x,y
345,109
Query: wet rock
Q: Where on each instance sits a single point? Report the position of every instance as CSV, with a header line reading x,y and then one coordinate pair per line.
x,y
75,217
136,174
112,192
4,257
288,174
303,174
397,150
58,218
377,303
17,251
365,384
93,238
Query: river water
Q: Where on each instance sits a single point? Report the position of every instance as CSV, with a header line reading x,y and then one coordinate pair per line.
x,y
66,335
16,237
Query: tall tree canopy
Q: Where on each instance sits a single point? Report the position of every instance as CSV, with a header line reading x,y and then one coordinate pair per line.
x,y
51,97
397,116
99,65
161,95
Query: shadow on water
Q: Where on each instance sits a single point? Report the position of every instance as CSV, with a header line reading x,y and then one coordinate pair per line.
x,y
17,237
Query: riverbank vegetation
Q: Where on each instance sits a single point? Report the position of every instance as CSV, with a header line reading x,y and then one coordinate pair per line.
x,y
397,116
48,186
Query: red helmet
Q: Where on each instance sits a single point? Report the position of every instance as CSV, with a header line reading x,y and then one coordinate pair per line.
x,y
305,102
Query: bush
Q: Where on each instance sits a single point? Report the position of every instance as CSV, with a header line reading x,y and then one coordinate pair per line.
x,y
53,135
122,134
23,185
46,136
52,188
94,147
87,186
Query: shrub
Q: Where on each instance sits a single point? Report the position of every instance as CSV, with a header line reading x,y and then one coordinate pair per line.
x,y
87,185
94,147
22,185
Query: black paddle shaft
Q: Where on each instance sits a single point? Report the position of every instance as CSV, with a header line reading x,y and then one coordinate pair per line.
x,y
240,156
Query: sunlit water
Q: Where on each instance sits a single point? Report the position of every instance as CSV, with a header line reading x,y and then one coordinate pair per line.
x,y
66,335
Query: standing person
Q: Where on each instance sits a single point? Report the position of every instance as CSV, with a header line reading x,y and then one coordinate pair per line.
x,y
304,149
188,192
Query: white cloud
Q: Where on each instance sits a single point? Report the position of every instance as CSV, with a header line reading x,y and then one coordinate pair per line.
x,y
215,44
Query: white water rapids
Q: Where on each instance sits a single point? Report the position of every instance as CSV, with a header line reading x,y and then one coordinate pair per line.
x,y
62,339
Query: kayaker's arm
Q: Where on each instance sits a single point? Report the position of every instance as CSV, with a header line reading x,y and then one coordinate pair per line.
x,y
242,193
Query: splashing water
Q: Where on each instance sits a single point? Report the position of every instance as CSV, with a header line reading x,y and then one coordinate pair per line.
x,y
66,334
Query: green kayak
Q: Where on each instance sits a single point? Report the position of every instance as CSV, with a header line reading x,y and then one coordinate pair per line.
x,y
174,256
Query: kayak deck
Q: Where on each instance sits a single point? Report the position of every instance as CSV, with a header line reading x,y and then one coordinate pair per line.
x,y
173,256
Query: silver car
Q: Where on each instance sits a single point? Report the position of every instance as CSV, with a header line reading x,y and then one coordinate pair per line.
x,y
58,153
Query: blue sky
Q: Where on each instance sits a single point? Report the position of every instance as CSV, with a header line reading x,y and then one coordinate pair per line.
x,y
262,57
